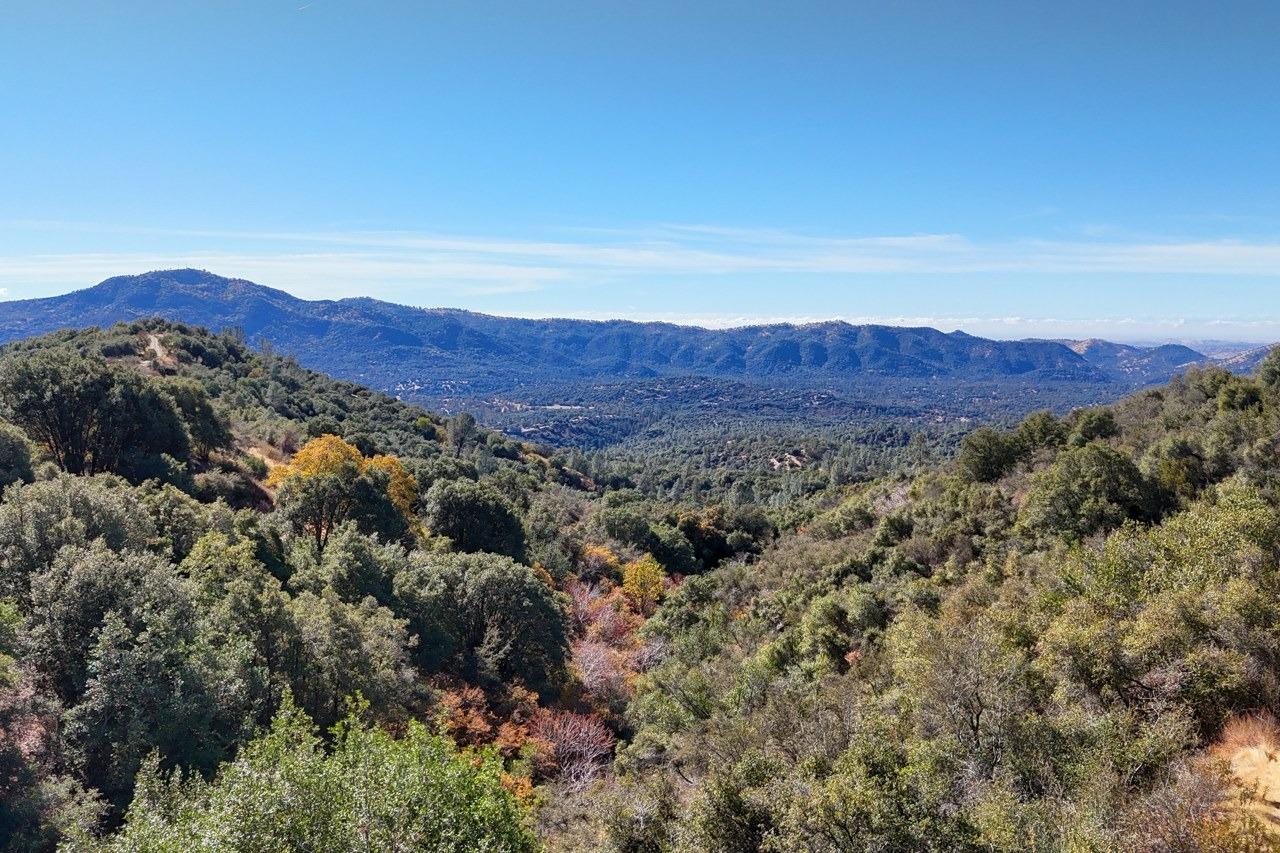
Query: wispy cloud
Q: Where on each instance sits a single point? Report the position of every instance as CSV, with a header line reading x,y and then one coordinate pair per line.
x,y
449,269
312,274
440,260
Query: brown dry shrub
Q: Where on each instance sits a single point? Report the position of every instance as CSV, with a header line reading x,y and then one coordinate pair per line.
x,y
1256,729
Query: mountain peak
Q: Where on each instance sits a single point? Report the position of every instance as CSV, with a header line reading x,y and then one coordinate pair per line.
x,y
185,280
184,275
427,353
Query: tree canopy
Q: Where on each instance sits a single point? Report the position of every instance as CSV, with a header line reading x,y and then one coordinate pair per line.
x,y
367,791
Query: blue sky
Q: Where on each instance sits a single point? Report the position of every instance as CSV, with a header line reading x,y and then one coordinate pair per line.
x,y
1014,169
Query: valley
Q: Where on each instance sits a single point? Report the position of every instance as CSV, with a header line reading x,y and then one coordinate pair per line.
x,y
615,427
230,584
600,384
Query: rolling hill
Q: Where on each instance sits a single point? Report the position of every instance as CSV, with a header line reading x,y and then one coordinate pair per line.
x,y
561,378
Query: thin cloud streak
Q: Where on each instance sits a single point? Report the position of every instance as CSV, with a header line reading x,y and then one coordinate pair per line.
x,y
473,267
686,250
319,274
431,269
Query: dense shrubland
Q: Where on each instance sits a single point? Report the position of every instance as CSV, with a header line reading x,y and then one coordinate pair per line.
x,y
225,579
1034,647
246,607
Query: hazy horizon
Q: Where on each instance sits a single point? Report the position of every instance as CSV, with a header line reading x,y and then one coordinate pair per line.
x,y
993,328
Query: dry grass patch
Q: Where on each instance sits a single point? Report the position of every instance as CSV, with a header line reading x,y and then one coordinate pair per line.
x,y
1250,744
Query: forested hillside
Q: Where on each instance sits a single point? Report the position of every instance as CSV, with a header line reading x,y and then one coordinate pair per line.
x,y
212,558
1063,640
582,383
247,607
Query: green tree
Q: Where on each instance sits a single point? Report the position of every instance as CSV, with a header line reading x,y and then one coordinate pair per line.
x,y
879,794
1239,394
670,547
179,519
209,430
315,506
630,526
10,622
475,517
70,600
162,684
38,519
987,455
316,644
15,456
1039,430
835,625
461,430
347,648
285,792
485,616
240,598
1087,489
1269,372
355,565
1092,424
121,644
731,813
1178,466
57,397
90,416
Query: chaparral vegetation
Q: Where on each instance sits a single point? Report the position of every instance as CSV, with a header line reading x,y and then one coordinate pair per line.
x,y
246,607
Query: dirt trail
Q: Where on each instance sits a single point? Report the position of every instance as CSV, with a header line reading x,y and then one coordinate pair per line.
x,y
162,355
261,454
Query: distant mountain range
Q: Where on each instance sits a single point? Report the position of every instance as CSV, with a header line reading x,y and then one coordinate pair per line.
x,y
543,376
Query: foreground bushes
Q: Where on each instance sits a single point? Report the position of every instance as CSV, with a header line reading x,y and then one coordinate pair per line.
x,y
370,791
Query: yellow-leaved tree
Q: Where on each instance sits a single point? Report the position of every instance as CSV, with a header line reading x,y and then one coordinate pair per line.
x,y
328,481
643,581
597,561
402,488
322,456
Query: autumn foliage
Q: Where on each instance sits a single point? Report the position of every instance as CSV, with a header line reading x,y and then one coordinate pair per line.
x,y
325,455
402,488
643,581
326,467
